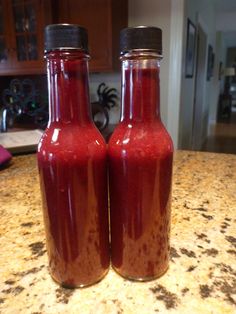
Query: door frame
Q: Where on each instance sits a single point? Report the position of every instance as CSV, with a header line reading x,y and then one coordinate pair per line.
x,y
200,24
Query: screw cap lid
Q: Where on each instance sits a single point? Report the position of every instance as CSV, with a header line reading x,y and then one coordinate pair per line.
x,y
141,37
59,36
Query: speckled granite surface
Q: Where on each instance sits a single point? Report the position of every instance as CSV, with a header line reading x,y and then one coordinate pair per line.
x,y
202,274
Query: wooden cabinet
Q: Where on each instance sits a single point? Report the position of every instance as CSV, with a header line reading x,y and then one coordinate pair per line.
x,y
103,19
21,35
22,25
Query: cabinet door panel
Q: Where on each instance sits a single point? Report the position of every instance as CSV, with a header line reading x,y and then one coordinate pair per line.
x,y
25,19
22,25
95,15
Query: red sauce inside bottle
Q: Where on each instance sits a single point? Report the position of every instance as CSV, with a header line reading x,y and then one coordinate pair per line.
x,y
72,162
140,173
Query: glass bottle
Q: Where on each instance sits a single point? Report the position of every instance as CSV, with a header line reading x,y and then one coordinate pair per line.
x,y
140,163
72,161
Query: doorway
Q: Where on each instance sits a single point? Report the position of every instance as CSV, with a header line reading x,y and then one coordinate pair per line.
x,y
199,124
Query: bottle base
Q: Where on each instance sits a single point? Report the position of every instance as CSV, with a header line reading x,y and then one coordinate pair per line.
x,y
67,286
140,279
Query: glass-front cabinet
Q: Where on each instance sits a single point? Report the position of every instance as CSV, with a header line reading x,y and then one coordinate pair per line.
x,y
4,57
21,35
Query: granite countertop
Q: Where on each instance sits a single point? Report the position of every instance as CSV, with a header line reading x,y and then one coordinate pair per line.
x,y
202,273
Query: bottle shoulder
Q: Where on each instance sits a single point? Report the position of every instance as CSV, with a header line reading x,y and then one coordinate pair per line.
x,y
61,140
147,138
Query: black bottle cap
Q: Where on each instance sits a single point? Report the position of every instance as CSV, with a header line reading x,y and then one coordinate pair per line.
x,y
141,37
60,36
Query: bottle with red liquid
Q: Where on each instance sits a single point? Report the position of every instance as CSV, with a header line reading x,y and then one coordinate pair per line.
x,y
72,161
140,163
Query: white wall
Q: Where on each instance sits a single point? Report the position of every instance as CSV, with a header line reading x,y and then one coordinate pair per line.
x,y
175,68
226,21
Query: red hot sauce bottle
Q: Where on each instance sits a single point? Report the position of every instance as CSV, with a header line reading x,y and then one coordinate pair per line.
x,y
72,161
140,163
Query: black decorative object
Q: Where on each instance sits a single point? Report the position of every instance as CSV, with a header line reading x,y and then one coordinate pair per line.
x,y
100,109
220,70
21,101
210,62
190,50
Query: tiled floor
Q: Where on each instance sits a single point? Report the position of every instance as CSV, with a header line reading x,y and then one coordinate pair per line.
x,y
222,138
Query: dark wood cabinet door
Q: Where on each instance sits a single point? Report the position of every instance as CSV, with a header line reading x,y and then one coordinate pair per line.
x,y
103,20
22,25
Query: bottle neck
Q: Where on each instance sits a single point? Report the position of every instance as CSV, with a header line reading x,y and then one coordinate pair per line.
x,y
67,72
140,87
